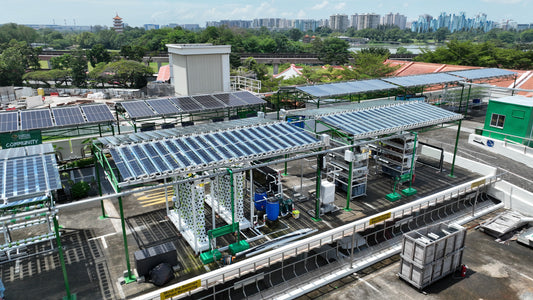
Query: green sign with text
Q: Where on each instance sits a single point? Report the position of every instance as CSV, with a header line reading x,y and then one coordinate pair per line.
x,y
20,139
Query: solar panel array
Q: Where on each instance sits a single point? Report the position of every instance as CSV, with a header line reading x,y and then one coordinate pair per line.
x,y
23,176
188,104
390,119
198,152
181,131
423,79
346,88
27,151
482,73
57,116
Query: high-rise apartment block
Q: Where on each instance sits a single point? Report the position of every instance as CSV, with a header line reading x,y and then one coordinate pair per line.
x,y
339,22
367,21
391,19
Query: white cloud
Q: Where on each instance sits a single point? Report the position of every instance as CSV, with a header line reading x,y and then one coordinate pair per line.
x,y
320,6
340,6
301,14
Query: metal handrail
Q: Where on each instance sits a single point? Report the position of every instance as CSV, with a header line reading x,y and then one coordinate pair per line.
x,y
267,259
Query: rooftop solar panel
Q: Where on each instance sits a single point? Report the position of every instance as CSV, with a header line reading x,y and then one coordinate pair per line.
x,y
249,98
187,104
189,153
482,73
346,88
137,109
163,106
230,99
68,116
390,119
35,119
97,113
208,101
421,80
9,121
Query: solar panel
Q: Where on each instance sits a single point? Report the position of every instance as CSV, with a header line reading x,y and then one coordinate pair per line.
x,y
163,106
9,121
230,99
421,80
390,119
97,113
187,104
249,98
68,116
189,153
137,109
208,101
35,119
482,73
29,175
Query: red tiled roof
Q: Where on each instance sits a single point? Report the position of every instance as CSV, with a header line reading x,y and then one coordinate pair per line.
x,y
164,73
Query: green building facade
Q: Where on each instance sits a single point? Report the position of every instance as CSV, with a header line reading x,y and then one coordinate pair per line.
x,y
510,118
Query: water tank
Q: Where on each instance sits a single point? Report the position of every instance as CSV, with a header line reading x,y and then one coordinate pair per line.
x,y
260,197
327,192
272,209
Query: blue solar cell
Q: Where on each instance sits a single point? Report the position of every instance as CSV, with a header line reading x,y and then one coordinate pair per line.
x,y
208,101
421,80
65,116
155,158
163,106
241,151
35,119
9,121
131,162
187,104
219,147
482,73
249,98
143,159
119,162
97,113
137,109
230,100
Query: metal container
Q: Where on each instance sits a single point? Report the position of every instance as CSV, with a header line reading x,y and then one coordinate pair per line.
x,y
431,253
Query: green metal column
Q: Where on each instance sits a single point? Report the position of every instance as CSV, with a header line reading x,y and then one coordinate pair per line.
x,y
103,216
455,149
319,162
461,99
69,296
285,173
129,278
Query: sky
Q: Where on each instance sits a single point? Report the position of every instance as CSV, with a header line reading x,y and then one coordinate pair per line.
x,y
139,12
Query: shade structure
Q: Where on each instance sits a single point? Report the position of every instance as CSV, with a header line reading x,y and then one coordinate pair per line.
x,y
477,74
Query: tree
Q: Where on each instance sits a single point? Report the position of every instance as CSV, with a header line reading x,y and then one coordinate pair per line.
x,y
334,51
370,65
295,34
133,53
378,51
441,34
124,73
98,54
78,67
526,36
15,59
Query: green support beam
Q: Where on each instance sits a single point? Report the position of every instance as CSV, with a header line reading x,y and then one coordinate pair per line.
x,y
69,296
455,149
128,275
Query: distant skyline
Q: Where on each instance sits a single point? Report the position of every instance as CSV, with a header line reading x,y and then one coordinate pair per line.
x,y
138,12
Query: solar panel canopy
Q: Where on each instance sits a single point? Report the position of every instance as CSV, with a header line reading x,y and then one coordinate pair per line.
x,y
482,73
422,80
25,176
346,88
163,106
137,162
389,119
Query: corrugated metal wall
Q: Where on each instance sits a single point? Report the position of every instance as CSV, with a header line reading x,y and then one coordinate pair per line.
x,y
204,74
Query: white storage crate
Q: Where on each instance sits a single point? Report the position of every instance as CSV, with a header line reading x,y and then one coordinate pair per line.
x,y
431,253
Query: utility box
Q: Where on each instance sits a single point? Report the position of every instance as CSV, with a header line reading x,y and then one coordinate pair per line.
x,y
430,253
147,259
327,192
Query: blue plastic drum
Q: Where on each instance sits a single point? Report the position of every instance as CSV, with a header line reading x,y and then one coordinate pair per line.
x,y
272,209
